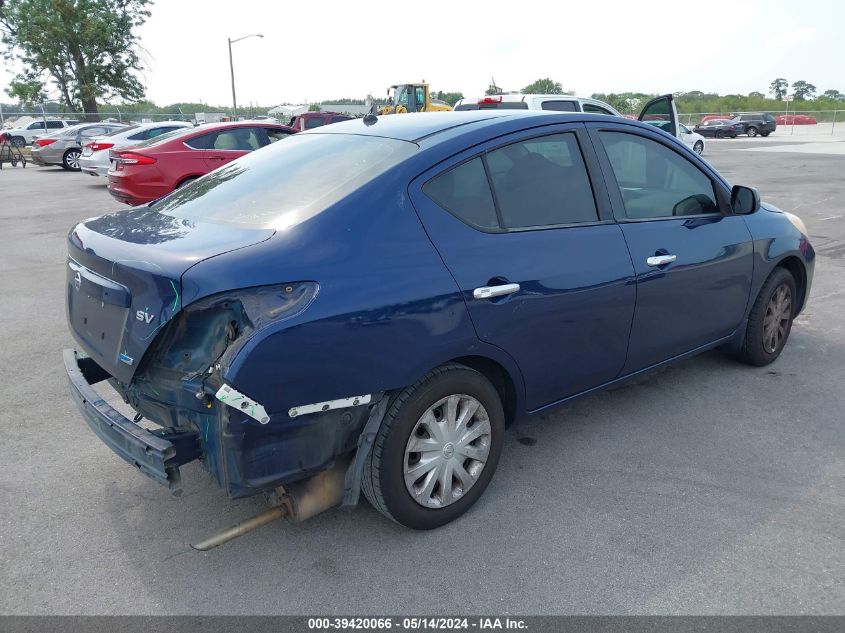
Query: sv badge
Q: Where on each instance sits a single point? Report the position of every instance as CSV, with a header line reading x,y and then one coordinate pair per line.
x,y
143,315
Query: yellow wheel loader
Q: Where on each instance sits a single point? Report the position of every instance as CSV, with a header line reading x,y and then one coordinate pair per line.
x,y
412,98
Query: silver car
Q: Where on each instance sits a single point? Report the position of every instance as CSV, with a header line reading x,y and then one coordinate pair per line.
x,y
95,155
65,147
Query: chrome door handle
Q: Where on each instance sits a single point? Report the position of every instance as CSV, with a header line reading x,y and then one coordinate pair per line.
x,y
489,292
660,260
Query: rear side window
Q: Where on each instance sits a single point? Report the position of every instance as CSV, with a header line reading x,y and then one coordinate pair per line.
x,y
313,122
465,193
338,119
537,183
656,182
542,182
560,106
54,125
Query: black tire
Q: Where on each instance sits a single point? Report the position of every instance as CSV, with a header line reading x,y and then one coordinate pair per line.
x,y
719,134
70,160
764,134
383,482
752,131
17,141
187,181
755,350
698,148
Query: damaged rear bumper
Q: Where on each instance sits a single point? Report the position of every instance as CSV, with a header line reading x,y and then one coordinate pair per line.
x,y
158,456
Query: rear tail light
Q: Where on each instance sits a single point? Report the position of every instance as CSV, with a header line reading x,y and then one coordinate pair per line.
x,y
98,146
129,158
44,142
496,99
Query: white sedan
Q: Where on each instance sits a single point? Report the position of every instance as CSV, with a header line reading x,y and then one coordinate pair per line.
x,y
95,155
690,138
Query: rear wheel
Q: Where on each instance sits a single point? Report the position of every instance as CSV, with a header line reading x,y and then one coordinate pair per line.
x,y
770,321
719,134
187,181
752,131
698,147
70,160
437,448
764,134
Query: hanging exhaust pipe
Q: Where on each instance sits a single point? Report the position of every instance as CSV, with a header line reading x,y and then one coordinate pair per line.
x,y
298,502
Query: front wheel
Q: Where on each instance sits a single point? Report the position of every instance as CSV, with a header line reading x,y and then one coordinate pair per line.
x,y
18,141
770,320
752,131
698,148
437,448
764,134
70,160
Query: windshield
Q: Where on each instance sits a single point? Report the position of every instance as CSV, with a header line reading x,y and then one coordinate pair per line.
x,y
286,183
121,130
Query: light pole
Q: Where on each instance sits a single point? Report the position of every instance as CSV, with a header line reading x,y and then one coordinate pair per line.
x,y
232,70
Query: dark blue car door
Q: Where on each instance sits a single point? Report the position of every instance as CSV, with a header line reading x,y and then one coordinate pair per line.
x,y
693,259
524,225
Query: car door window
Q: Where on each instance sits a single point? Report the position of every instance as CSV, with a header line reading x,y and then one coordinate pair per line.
x,y
338,119
38,125
158,131
656,182
203,141
464,191
542,182
560,106
242,139
54,125
275,134
594,109
311,123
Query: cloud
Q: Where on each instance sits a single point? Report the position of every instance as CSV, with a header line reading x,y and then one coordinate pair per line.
x,y
786,39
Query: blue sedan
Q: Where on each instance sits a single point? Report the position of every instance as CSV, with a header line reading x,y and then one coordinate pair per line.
x,y
380,299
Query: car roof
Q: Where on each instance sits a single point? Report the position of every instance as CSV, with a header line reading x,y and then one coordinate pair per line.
x,y
205,127
423,125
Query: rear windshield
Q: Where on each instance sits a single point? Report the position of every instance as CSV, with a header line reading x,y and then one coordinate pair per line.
x,y
166,136
286,183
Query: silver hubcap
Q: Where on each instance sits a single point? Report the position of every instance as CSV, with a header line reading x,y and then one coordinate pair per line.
x,y
73,160
776,321
447,451
698,147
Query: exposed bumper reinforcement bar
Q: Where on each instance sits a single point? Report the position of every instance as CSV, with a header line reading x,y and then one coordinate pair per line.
x,y
157,456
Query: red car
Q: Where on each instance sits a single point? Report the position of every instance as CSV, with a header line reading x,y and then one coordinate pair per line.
x,y
142,173
310,120
795,119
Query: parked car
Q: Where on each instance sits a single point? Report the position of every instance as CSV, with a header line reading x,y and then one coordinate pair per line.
x,y
310,120
65,146
20,136
519,101
719,128
153,168
95,157
424,280
693,140
795,119
756,123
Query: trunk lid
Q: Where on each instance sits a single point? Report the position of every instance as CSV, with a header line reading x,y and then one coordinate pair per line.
x,y
124,275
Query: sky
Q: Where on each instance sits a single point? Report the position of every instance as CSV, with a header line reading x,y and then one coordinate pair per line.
x,y
330,49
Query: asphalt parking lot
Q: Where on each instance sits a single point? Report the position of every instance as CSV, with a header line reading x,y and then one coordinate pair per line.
x,y
709,487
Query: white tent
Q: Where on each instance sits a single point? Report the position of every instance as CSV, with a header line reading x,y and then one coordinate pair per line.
x,y
288,110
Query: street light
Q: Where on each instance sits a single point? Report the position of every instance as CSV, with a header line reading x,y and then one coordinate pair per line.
x,y
232,69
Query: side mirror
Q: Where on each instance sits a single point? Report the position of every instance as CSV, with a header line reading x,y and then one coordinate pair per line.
x,y
744,200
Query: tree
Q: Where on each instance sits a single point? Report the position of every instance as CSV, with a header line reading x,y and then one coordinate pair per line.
x,y
85,49
450,97
314,107
834,94
756,95
778,88
803,90
543,87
